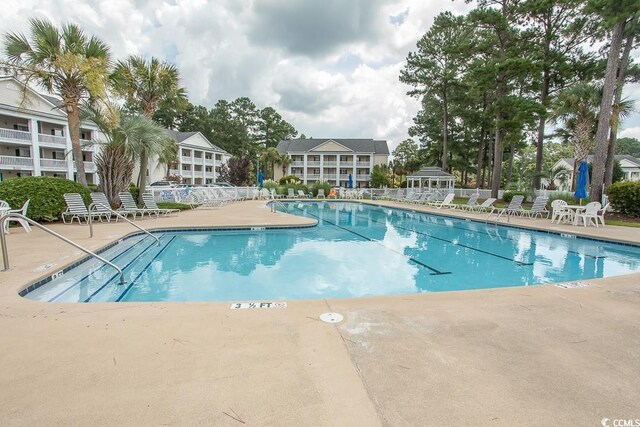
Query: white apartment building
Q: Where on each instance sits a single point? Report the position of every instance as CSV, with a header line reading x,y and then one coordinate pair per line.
x,y
197,160
334,160
34,136
630,167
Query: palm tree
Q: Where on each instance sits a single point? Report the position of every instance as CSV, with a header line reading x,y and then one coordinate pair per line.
x,y
144,85
284,161
63,61
169,155
577,107
127,136
271,156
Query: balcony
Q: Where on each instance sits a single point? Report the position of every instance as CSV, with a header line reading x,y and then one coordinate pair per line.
x,y
186,159
55,140
53,164
297,164
313,164
329,164
17,163
208,162
363,164
15,135
174,172
363,177
313,176
329,176
89,167
198,174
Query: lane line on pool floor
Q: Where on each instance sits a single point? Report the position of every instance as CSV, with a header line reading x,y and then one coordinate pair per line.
x,y
433,237
435,272
123,269
145,269
91,272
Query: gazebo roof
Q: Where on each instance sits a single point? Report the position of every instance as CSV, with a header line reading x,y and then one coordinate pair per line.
x,y
432,172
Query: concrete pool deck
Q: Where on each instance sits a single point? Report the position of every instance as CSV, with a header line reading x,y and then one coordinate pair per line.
x,y
537,355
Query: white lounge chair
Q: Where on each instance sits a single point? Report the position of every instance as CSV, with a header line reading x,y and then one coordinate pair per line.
x,y
320,194
130,205
446,203
150,204
471,203
301,194
514,208
290,193
76,209
484,206
22,222
539,208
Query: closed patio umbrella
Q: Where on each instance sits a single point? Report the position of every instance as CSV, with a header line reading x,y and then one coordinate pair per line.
x,y
260,179
350,184
581,182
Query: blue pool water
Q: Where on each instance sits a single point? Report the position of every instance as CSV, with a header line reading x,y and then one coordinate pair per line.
x,y
356,250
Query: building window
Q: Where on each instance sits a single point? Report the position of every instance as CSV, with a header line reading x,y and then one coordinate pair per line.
x,y
18,126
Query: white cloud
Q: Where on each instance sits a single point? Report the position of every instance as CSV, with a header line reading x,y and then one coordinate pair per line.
x,y
633,132
330,68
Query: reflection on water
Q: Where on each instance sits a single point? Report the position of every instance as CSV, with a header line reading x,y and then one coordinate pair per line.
x,y
356,250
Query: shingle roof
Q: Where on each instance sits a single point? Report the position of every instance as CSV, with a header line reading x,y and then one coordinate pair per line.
x,y
430,172
357,145
52,99
182,136
618,157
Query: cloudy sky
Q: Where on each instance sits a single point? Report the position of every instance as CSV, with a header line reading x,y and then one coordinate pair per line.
x,y
329,67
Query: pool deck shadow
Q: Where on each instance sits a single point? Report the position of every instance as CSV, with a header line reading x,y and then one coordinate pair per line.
x,y
537,355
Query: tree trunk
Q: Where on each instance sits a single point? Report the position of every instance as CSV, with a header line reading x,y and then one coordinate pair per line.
x,y
73,118
497,149
615,116
544,93
445,130
512,152
490,161
479,160
142,177
600,158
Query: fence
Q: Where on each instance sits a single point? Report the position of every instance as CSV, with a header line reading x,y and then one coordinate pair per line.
x,y
180,194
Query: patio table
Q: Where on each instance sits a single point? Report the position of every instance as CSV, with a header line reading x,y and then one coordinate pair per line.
x,y
576,209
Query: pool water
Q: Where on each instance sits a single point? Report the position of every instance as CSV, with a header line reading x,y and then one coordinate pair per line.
x,y
356,250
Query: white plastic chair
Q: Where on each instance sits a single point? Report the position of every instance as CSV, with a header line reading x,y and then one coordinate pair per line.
x,y
590,213
600,215
22,222
559,210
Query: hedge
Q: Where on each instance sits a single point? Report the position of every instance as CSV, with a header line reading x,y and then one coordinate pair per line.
x,y
45,192
508,195
625,197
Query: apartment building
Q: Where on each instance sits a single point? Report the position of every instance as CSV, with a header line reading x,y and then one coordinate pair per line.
x,y
34,136
334,160
197,160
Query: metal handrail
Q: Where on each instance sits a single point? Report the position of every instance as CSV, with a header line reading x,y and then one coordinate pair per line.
x,y
5,253
92,205
272,204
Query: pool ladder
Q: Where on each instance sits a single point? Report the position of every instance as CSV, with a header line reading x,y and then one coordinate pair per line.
x,y
5,254
275,203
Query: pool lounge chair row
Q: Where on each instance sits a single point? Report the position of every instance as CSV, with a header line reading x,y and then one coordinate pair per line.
x,y
76,209
212,197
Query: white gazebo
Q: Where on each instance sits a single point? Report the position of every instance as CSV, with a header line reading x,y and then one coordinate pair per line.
x,y
431,179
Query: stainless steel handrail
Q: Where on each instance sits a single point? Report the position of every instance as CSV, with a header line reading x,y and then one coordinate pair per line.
x,y
92,205
272,203
5,253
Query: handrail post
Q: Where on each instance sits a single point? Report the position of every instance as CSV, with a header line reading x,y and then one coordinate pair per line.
x,y
93,205
3,243
5,255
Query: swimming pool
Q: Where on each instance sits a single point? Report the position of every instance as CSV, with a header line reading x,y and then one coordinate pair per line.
x,y
355,250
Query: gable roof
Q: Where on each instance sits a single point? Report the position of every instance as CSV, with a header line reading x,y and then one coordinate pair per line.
x,y
48,100
356,145
431,172
618,157
183,136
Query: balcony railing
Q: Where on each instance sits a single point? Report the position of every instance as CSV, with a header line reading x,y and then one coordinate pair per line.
x,y
313,164
59,141
363,164
329,164
329,176
208,162
13,162
198,174
89,167
53,164
15,135
297,164
313,176
174,172
186,159
363,177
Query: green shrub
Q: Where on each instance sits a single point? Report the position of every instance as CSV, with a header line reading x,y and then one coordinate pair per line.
x,y
290,179
269,184
567,197
135,192
45,193
281,190
172,205
507,196
320,184
625,197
